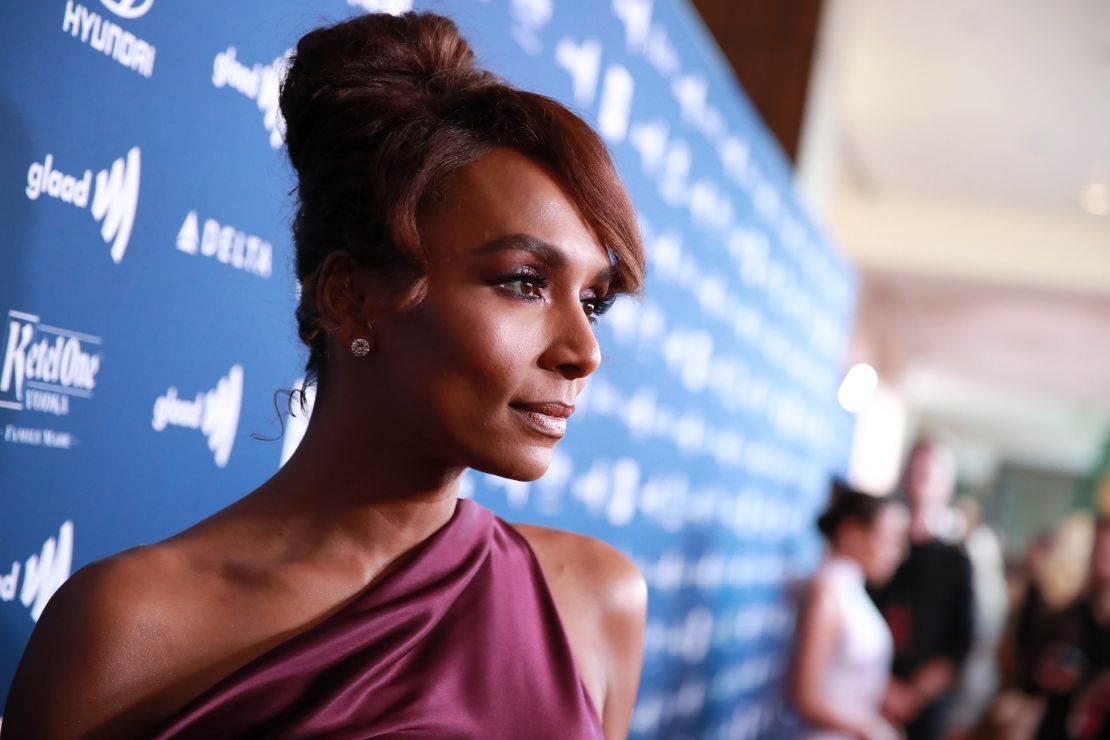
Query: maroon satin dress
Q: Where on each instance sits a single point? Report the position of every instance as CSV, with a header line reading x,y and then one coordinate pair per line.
x,y
461,641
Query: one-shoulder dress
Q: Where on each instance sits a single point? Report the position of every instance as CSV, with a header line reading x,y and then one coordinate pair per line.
x,y
461,641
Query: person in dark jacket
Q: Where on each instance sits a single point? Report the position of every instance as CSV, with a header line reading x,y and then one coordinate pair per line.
x,y
928,605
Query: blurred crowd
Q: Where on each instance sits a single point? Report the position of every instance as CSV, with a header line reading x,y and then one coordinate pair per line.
x,y
915,625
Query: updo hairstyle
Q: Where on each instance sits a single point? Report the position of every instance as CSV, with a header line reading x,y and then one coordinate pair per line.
x,y
380,111
850,504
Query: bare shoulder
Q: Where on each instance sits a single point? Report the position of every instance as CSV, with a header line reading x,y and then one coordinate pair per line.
x,y
819,607
99,647
822,584
602,599
587,566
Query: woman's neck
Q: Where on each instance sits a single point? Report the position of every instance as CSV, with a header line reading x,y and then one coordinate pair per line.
x,y
846,555
353,486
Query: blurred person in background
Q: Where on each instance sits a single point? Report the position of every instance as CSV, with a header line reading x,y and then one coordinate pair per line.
x,y
1014,714
1032,614
1054,570
841,665
928,604
1073,672
979,681
1036,662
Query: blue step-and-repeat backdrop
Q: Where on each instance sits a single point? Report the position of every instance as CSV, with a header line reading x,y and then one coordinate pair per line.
x,y
147,306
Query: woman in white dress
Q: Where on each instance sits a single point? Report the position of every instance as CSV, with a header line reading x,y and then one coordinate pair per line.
x,y
841,664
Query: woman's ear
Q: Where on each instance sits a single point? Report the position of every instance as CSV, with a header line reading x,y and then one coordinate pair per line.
x,y
341,298
352,300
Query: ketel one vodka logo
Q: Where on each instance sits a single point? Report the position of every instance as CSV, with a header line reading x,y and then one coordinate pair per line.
x,y
44,366
114,196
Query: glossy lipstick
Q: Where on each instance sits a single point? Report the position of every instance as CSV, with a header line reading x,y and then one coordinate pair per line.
x,y
548,417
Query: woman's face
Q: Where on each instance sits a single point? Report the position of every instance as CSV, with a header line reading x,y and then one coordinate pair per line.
x,y
886,540
484,370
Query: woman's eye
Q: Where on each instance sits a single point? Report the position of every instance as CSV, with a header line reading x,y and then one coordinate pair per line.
x,y
526,287
595,307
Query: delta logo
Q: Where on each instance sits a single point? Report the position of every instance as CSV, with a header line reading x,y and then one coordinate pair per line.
x,y
214,413
112,199
227,244
45,366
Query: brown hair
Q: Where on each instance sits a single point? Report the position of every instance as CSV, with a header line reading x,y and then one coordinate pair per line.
x,y
380,110
848,504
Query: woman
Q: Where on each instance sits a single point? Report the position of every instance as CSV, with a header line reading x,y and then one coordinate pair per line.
x,y
455,240
841,664
1073,670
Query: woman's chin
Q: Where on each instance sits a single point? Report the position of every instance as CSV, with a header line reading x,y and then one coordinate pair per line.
x,y
524,467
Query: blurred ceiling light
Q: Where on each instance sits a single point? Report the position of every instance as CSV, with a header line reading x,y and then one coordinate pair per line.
x,y
1095,198
858,387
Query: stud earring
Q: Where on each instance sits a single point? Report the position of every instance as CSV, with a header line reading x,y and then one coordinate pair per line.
x,y
360,347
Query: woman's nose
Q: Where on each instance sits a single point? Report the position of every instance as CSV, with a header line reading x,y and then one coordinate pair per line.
x,y
572,349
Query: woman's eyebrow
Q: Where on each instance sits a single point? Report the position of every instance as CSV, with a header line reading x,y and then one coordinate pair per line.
x,y
547,253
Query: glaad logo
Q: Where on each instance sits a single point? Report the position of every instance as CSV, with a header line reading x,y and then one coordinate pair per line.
x,y
259,82
296,424
43,574
130,9
215,413
227,244
106,37
115,199
46,365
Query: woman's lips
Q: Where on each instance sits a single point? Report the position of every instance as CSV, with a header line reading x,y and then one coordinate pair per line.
x,y
548,418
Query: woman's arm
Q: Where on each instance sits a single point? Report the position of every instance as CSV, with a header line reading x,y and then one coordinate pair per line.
x,y
623,624
88,663
817,636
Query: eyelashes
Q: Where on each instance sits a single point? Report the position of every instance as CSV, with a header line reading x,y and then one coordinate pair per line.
x,y
528,285
595,307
